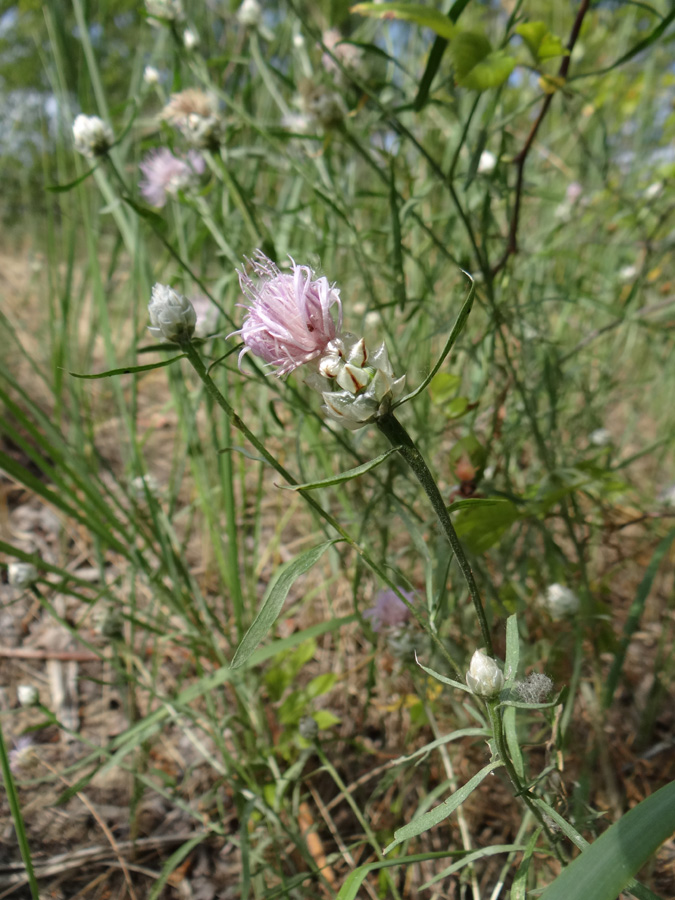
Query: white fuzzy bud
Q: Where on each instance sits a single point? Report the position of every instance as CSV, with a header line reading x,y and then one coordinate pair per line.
x,y
484,677
487,163
27,695
172,316
91,136
190,39
21,574
150,75
560,601
250,13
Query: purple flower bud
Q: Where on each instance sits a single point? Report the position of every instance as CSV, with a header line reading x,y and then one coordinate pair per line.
x,y
290,319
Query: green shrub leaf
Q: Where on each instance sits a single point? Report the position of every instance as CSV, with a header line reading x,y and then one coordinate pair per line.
x,y
424,16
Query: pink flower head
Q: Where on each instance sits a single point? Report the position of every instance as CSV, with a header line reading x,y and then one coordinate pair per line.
x,y
290,320
389,610
167,174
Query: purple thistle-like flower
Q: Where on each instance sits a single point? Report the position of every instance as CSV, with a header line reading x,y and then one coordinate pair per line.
x,y
167,174
290,320
389,610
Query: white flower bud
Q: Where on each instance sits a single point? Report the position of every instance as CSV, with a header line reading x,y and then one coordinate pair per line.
x,y
487,163
560,601
190,39
169,10
484,677
21,574
150,75
27,695
172,316
600,437
250,13
91,136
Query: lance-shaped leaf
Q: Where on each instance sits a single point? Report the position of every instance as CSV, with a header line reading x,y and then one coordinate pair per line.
x,y
274,598
443,810
344,476
130,370
425,16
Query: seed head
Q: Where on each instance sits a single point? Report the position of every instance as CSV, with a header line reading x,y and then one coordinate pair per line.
x,y
195,114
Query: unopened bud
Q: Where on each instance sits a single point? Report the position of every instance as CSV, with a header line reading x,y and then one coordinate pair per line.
x,y
172,316
27,695
21,574
484,677
308,728
91,136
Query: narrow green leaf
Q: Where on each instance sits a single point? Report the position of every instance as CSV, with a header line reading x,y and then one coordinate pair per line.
x,y
62,188
454,335
130,370
519,886
637,48
174,861
443,679
355,879
605,868
435,57
443,810
476,503
424,16
15,810
274,598
340,479
512,658
469,858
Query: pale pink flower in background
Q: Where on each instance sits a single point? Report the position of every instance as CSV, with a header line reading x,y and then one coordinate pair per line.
x,y
573,192
389,610
350,56
290,318
167,174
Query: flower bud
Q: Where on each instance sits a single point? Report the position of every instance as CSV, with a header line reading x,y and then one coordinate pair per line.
x,y
150,75
91,136
560,601
484,677
190,39
308,728
27,695
168,10
249,13
487,163
172,316
21,574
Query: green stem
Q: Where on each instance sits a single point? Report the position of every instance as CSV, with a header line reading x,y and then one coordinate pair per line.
x,y
399,437
198,365
519,788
